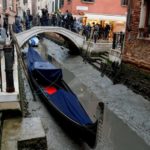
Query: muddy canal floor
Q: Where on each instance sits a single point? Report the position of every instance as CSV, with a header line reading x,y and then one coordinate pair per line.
x,y
57,138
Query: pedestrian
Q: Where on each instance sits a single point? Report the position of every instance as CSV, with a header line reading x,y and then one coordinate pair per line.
x,y
39,13
5,24
17,27
3,35
45,17
106,31
92,30
95,33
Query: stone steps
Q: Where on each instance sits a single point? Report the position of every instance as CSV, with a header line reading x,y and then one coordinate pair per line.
x,y
23,133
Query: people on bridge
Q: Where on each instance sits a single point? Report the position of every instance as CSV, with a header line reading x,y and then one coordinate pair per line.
x,y
17,25
86,31
28,20
76,25
5,24
45,17
93,31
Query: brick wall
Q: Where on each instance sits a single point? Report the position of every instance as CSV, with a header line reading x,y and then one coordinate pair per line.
x,y
136,51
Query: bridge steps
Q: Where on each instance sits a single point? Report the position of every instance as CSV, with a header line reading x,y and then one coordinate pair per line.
x,y
97,59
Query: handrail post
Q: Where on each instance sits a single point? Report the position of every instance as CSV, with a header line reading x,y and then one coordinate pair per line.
x,y
9,61
114,41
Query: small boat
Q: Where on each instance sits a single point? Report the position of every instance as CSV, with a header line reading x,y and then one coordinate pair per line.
x,y
64,105
34,41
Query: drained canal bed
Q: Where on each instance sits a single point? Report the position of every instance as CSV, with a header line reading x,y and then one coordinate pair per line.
x,y
126,113
56,137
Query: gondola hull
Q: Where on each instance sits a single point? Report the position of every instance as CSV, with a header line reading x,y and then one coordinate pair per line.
x,y
85,132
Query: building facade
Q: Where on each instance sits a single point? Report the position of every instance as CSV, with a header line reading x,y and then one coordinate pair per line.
x,y
99,11
137,41
51,5
25,5
8,8
22,6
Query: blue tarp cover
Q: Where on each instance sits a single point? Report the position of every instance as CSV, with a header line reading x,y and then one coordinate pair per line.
x,y
69,104
43,69
65,101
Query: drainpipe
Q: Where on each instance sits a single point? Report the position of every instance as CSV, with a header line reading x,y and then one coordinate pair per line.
x,y
9,60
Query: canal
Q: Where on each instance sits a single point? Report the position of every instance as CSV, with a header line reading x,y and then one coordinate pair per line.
x,y
57,139
123,125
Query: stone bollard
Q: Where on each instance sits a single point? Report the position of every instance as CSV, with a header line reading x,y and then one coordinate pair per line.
x,y
9,60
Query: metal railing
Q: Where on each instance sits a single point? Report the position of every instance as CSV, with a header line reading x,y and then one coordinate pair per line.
x,y
118,40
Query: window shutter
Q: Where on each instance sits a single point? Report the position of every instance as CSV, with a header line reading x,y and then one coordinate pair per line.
x,y
4,4
129,18
142,15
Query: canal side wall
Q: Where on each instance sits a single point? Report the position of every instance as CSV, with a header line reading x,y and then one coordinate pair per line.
x,y
117,135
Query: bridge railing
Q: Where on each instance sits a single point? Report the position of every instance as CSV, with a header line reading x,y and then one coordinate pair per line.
x,y
118,40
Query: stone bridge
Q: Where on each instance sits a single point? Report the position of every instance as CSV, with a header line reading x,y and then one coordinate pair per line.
x,y
24,36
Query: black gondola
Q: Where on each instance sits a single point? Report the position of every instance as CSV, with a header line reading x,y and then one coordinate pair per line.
x,y
62,102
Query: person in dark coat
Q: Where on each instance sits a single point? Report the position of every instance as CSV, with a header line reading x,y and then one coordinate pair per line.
x,y
17,27
5,25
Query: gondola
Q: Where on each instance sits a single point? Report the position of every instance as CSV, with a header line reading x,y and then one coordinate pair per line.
x,y
64,105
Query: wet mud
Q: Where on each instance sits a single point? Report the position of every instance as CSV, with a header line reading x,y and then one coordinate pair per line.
x,y
136,79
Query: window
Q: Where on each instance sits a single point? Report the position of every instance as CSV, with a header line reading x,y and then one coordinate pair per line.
x,y
129,16
56,5
4,4
88,1
69,1
124,2
144,25
147,22
61,4
25,1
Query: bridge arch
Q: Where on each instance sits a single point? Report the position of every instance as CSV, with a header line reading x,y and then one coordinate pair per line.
x,y
24,36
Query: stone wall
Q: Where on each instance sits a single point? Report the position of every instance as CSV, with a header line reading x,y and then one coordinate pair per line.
x,y
137,50
117,135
